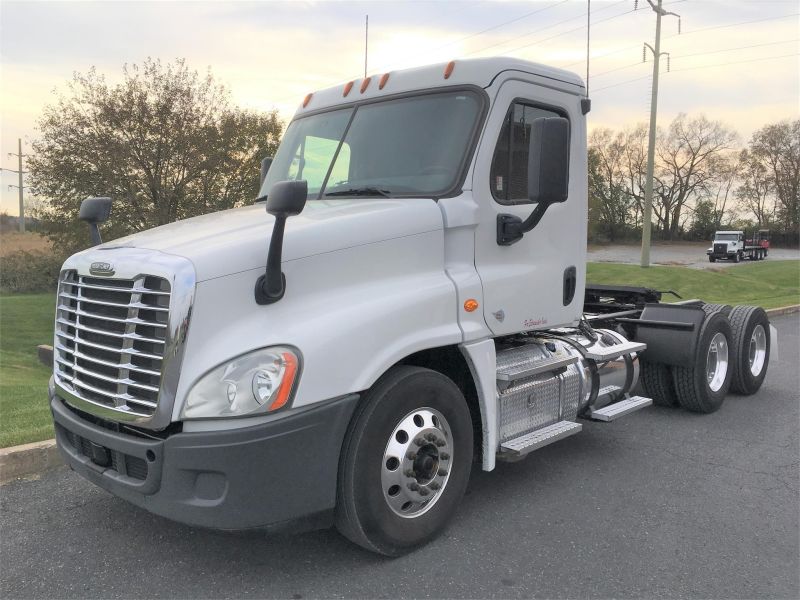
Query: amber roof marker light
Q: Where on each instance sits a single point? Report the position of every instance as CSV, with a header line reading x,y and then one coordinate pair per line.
x,y
307,99
448,70
384,80
347,88
365,84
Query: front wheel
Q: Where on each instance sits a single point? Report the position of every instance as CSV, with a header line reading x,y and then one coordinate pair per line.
x,y
405,463
737,257
712,259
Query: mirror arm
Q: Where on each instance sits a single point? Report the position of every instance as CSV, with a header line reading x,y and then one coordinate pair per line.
x,y
94,233
271,286
510,228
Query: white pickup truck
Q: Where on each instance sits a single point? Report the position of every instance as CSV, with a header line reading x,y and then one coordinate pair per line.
x,y
406,298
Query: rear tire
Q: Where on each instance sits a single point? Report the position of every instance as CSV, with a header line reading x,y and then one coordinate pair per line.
x,y
405,463
709,309
657,383
751,345
703,386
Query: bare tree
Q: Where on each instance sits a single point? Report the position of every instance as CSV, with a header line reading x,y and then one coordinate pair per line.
x,y
777,147
755,190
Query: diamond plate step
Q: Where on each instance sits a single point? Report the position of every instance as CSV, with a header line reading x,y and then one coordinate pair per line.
x,y
541,437
531,369
620,409
608,390
611,352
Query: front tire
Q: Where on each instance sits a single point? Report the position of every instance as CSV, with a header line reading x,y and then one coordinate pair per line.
x,y
405,463
702,387
712,259
737,257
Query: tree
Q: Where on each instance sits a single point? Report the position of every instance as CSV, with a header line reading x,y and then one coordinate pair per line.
x,y
610,204
777,147
755,190
164,143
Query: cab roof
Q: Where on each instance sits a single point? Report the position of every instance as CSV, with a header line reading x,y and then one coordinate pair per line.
x,y
479,72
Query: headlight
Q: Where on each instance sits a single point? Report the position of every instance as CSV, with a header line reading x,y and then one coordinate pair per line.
x,y
255,383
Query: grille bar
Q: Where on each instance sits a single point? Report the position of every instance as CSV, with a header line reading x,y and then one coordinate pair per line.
x,y
125,336
117,304
83,356
92,315
111,338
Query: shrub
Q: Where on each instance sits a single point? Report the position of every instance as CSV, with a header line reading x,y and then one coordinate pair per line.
x,y
29,272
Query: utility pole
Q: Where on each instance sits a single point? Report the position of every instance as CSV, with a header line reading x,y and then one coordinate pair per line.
x,y
651,142
19,172
366,44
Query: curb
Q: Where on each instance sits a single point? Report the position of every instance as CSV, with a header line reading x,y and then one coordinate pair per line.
x,y
31,459
783,310
28,459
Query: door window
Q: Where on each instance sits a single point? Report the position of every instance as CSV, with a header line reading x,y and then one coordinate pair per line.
x,y
509,173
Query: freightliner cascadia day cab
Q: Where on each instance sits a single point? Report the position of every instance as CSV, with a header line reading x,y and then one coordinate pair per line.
x,y
406,299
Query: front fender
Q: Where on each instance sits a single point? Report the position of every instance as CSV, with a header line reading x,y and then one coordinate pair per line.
x,y
352,314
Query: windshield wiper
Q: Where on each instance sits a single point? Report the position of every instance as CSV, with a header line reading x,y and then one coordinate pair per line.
x,y
362,191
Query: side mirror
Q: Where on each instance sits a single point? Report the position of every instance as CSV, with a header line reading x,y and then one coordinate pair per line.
x,y
266,163
95,211
548,176
285,199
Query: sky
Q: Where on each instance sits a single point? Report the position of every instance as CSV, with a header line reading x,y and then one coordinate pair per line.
x,y
737,61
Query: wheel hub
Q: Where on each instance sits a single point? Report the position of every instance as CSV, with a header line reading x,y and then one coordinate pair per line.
x,y
416,462
717,362
758,350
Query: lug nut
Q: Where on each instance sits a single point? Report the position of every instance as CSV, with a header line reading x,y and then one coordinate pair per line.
x,y
444,456
419,441
413,486
434,485
442,472
409,473
423,492
411,455
430,437
440,443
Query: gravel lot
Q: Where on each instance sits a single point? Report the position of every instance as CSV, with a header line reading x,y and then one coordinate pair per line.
x,y
661,504
684,254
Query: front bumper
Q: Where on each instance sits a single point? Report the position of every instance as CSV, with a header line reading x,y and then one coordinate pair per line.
x,y
253,477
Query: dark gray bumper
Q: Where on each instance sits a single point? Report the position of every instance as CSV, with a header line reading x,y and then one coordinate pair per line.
x,y
254,477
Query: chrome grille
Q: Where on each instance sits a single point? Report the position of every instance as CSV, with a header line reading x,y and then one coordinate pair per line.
x,y
110,339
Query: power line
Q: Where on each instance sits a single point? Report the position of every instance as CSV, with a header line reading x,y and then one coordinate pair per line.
x,y
738,62
517,37
636,64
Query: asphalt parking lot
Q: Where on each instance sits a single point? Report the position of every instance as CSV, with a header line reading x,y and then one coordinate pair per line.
x,y
661,504
681,254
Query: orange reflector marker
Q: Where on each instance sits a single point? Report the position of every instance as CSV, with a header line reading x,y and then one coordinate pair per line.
x,y
384,79
470,305
347,88
448,70
365,84
288,381
307,99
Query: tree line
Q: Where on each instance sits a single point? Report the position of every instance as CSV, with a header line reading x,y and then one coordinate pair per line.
x,y
705,179
166,143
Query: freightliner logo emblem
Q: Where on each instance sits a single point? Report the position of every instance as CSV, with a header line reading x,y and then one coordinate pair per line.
x,y
101,268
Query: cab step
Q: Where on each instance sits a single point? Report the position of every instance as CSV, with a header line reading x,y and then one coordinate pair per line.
x,y
620,409
606,353
541,437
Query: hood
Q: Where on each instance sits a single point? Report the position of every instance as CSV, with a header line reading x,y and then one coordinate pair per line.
x,y
237,240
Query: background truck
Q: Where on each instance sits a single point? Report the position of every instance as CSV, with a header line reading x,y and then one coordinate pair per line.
x,y
408,296
736,246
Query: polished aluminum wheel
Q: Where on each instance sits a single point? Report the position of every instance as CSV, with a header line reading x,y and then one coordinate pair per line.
x,y
416,462
717,362
758,350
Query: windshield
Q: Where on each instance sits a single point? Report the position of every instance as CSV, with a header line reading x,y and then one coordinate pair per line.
x,y
726,237
408,147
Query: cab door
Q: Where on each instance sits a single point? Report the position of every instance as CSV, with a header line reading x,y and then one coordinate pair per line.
x,y
538,281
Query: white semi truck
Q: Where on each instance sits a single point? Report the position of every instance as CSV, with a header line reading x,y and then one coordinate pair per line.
x,y
407,298
736,246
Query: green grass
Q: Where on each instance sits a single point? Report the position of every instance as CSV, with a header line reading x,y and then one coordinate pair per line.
x,y
26,320
770,284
